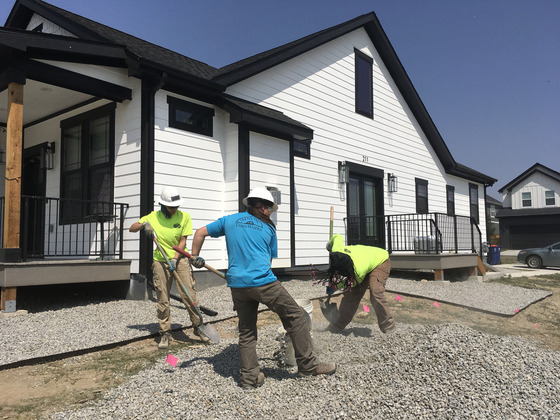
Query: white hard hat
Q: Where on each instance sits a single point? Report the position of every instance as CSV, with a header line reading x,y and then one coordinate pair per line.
x,y
263,194
170,197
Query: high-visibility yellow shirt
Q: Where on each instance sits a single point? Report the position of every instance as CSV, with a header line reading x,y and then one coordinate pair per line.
x,y
365,258
168,231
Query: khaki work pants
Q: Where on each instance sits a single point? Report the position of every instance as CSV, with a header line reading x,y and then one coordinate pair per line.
x,y
375,281
163,281
278,300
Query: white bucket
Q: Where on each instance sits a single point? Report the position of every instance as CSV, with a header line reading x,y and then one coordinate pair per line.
x,y
289,355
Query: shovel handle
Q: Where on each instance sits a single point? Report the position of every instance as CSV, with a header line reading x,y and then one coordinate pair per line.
x,y
190,257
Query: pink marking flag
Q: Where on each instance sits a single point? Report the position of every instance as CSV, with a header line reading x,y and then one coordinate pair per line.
x,y
399,298
436,304
172,360
517,310
535,325
366,308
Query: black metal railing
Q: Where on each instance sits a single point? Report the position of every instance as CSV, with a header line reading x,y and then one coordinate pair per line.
x,y
57,227
430,233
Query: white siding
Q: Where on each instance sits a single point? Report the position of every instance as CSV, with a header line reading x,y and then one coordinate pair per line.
x,y
48,26
270,167
317,88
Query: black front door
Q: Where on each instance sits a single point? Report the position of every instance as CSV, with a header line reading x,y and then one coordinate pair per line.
x,y
365,210
32,207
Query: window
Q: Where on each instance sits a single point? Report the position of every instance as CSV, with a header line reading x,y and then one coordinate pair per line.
x,y
473,199
450,200
526,199
421,196
87,164
302,148
549,198
190,117
364,84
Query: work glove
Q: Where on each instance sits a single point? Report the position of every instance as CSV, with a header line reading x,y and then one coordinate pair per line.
x,y
330,290
172,265
148,229
329,246
198,262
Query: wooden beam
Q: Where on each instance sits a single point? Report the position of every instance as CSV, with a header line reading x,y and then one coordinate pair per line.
x,y
438,275
12,188
14,146
481,267
7,294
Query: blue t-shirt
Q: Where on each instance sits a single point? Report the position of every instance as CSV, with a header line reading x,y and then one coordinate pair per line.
x,y
251,244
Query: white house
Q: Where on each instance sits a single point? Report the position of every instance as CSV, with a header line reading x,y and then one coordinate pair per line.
x,y
329,120
531,209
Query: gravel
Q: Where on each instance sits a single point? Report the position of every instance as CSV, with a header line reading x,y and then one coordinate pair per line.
x,y
418,372
445,371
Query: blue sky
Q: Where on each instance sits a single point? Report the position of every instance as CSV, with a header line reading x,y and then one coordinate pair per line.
x,y
486,70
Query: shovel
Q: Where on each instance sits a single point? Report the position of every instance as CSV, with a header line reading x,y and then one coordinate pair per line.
x,y
190,257
208,330
329,310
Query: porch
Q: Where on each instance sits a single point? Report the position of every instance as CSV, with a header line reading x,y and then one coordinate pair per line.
x,y
63,241
431,241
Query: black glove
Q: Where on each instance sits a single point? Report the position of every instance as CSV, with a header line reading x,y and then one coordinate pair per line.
x,y
198,262
148,229
329,247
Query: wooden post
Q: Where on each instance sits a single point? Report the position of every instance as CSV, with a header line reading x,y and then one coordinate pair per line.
x,y
438,275
12,203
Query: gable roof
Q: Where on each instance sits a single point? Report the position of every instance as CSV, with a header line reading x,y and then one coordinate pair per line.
x,y
243,69
144,55
537,167
141,51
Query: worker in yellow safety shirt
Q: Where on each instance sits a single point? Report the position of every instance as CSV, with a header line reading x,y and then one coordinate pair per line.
x,y
353,269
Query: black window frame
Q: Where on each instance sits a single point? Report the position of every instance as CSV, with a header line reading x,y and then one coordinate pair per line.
x,y
363,83
422,206
69,210
450,198
305,148
474,208
205,114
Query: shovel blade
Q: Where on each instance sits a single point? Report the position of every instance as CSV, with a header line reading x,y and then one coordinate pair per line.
x,y
329,310
210,332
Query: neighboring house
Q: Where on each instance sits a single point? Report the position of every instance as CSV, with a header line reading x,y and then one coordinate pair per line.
x,y
531,209
492,223
329,120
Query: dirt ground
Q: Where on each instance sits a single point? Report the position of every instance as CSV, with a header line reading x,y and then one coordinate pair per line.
x,y
30,392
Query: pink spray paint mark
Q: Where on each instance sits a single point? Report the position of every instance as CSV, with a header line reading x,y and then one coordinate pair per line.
x,y
172,360
436,304
366,308
399,298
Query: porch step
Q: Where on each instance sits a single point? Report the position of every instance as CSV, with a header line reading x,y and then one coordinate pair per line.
x,y
38,273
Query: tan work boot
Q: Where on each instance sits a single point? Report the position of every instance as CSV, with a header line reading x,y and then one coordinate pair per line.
x,y
164,341
260,382
201,335
320,369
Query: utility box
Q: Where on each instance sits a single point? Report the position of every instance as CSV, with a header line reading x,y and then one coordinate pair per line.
x,y
425,245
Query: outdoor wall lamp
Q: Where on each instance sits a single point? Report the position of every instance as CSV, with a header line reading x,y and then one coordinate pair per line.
x,y
48,156
392,183
343,173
